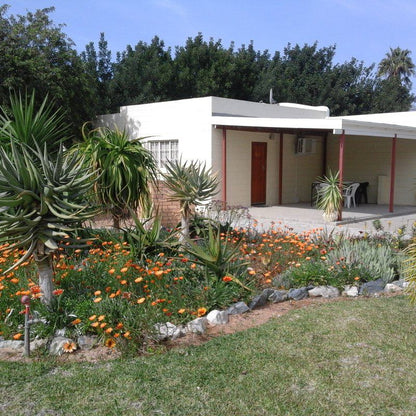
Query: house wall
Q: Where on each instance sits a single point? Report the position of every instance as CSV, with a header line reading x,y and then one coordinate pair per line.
x,y
239,166
368,159
187,121
300,170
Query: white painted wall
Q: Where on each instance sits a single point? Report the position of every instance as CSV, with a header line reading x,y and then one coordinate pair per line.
x,y
239,166
299,171
187,121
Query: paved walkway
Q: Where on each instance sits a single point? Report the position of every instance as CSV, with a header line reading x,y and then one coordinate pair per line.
x,y
303,217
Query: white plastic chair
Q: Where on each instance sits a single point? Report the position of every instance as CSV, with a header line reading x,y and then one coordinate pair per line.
x,y
349,194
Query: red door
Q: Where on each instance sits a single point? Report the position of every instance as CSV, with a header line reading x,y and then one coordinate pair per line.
x,y
258,173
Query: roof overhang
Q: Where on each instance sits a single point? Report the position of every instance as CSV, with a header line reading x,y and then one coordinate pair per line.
x,y
334,125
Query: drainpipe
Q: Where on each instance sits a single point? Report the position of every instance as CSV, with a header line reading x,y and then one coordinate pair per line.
x,y
224,168
341,168
392,172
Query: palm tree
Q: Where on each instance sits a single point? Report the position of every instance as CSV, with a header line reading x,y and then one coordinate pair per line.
x,y
190,184
397,64
124,170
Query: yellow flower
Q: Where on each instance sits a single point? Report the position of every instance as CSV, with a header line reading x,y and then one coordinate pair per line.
x,y
181,311
141,300
201,311
96,300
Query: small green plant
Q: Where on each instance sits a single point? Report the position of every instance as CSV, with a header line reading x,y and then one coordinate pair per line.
x,y
329,197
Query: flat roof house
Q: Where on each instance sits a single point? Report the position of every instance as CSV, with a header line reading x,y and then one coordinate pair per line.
x,y
269,154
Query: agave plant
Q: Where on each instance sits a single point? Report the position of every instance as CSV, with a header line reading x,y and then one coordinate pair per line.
x,y
190,184
124,170
42,200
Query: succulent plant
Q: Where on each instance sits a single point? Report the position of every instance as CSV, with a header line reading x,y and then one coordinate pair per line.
x,y
42,199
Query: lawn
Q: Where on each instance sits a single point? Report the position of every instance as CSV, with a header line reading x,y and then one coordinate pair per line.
x,y
352,357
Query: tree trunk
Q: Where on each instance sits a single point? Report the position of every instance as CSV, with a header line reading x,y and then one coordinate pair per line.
x,y
45,273
184,229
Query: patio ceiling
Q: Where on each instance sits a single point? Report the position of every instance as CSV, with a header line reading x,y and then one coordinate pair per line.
x,y
336,125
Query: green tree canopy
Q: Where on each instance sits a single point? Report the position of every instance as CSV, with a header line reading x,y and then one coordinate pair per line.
x,y
35,54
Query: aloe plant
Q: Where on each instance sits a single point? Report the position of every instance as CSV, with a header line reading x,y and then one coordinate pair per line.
x,y
42,200
190,184
329,198
218,255
23,123
124,170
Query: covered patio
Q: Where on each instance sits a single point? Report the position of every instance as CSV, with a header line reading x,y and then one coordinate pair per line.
x,y
365,147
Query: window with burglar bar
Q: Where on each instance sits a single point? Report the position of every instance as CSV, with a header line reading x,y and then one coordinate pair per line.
x,y
162,151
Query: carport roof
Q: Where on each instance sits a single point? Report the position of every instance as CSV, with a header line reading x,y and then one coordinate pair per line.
x,y
372,125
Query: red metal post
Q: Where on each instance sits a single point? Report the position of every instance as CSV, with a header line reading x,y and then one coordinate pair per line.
x,y
280,168
392,173
341,168
224,167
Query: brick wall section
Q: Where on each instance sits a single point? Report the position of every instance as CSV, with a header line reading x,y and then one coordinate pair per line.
x,y
168,210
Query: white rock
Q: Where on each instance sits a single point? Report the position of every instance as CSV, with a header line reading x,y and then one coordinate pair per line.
x,y
324,291
350,291
391,287
197,326
217,317
14,345
165,330
57,345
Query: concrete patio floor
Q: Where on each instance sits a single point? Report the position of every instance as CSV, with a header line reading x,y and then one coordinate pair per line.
x,y
304,217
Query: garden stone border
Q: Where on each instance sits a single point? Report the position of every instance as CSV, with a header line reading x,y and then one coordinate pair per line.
x,y
168,331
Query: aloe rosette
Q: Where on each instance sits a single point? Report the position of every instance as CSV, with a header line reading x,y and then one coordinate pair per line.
x,y
42,199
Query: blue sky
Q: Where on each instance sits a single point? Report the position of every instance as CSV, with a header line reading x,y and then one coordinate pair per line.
x,y
364,29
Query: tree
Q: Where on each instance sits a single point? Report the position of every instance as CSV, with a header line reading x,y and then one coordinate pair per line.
x,y
124,170
397,64
100,69
42,195
37,55
203,69
190,184
142,75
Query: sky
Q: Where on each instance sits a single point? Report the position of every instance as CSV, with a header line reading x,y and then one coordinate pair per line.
x,y
363,29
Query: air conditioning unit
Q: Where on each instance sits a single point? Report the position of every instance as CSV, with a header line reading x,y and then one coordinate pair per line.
x,y
305,146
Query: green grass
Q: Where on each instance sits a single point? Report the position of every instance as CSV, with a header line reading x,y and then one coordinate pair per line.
x,y
354,357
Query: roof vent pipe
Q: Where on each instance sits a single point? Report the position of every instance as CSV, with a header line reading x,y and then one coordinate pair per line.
x,y
271,99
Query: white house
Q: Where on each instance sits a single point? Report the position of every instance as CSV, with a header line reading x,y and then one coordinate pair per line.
x,y
269,154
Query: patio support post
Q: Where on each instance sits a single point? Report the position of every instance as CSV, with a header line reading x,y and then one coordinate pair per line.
x,y
392,172
224,167
341,168
280,168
